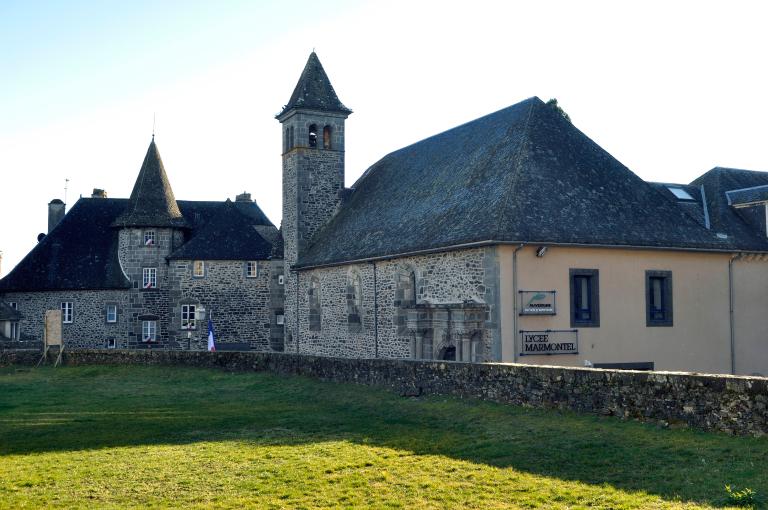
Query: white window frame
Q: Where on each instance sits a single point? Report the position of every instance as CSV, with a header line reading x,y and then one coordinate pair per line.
x,y
281,280
251,269
149,278
111,344
198,268
149,238
280,319
67,312
149,331
188,316
114,319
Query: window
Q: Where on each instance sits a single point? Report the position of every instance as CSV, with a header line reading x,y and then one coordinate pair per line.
x,y
14,305
313,135
67,312
354,302
680,193
149,238
149,331
149,278
281,280
585,302
188,317
14,330
315,310
658,298
111,313
198,269
251,269
111,344
280,319
327,137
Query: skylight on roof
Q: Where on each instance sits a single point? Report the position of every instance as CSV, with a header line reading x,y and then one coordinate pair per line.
x,y
680,193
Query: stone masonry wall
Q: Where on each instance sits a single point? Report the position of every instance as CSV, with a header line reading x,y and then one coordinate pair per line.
x,y
446,277
731,404
89,327
238,305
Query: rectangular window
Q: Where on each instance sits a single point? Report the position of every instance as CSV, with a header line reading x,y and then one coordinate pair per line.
x,y
67,312
14,305
149,278
111,343
188,317
149,238
111,313
149,331
198,268
585,298
658,298
251,269
14,330
281,280
280,319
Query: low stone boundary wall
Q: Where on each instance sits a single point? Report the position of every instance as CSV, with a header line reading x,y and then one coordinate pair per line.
x,y
731,404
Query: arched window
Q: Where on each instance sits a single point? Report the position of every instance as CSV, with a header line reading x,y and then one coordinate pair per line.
x,y
405,297
313,135
354,301
327,137
315,307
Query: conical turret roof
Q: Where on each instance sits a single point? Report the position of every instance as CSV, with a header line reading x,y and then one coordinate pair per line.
x,y
152,203
314,90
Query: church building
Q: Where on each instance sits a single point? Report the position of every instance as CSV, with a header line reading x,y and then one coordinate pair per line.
x,y
513,238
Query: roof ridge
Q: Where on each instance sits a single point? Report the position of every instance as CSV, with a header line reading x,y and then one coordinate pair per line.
x,y
516,167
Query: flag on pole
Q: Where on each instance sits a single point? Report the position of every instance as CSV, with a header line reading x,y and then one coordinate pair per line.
x,y
211,343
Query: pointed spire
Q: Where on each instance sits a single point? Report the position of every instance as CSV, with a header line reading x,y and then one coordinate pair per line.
x,y
314,90
152,203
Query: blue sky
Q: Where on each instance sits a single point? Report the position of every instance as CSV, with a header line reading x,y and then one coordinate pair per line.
x,y
671,89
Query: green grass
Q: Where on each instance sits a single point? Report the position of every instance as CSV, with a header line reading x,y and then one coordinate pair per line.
x,y
102,437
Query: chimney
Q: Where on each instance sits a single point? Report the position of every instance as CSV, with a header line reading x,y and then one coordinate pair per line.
x,y
56,209
98,193
243,197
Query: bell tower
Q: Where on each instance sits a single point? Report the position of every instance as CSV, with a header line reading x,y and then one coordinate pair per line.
x,y
313,167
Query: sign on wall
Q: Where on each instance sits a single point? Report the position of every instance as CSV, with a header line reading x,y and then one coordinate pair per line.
x,y
537,302
559,341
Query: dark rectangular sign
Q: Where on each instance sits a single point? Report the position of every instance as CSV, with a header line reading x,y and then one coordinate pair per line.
x,y
537,302
562,341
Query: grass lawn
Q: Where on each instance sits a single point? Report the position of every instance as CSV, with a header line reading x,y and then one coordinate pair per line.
x,y
102,437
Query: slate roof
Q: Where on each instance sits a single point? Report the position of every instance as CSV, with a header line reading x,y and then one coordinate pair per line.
x,y
694,207
7,313
278,245
314,90
522,174
228,235
81,252
747,195
723,217
152,203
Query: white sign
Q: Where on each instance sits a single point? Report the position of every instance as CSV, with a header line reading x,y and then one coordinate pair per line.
x,y
549,342
537,302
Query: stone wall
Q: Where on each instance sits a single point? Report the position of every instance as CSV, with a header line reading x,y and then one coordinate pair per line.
x,y
89,328
731,404
441,278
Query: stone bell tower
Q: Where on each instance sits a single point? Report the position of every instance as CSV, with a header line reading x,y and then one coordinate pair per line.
x,y
313,168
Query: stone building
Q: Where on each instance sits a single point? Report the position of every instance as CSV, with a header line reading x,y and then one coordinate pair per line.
x,y
149,271
514,237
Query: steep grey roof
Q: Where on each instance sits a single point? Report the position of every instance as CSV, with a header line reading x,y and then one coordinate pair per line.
x,y
522,174
228,235
7,313
694,207
152,203
314,90
723,217
81,252
747,195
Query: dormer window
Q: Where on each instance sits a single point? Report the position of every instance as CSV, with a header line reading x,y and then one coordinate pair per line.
x,y
327,137
149,238
680,193
313,135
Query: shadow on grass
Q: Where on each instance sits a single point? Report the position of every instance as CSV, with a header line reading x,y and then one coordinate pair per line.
x,y
98,407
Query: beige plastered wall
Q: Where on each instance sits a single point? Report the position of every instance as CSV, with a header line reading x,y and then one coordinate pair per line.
x,y
699,339
750,311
